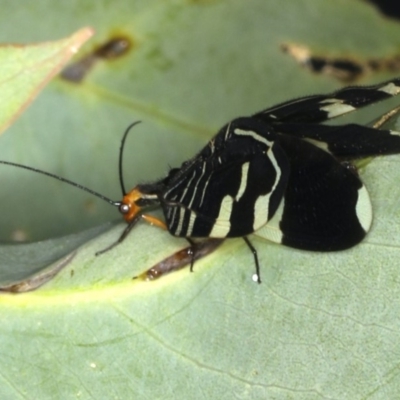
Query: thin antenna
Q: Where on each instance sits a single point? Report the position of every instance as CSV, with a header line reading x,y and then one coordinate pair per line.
x,y
121,151
59,178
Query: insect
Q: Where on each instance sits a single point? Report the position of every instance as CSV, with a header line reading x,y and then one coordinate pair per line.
x,y
279,174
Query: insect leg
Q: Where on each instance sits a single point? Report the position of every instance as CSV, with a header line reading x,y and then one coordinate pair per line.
x,y
191,250
254,251
154,221
123,235
181,259
148,218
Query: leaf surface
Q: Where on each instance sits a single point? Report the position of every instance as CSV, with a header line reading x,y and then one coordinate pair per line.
x,y
24,70
320,326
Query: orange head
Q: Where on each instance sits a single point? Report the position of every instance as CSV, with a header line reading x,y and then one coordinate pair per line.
x,y
134,201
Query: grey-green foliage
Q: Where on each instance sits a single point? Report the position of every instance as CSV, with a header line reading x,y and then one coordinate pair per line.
x,y
320,326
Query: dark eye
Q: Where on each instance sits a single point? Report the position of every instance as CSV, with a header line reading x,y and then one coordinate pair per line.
x,y
124,208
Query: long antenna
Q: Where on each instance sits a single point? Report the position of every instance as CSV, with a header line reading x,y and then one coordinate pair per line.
x,y
121,152
60,178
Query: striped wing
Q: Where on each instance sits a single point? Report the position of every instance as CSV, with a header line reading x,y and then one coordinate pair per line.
x,y
231,188
319,108
325,207
346,142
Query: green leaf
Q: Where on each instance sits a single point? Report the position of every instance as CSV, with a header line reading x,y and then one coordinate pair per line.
x,y
25,267
26,69
319,326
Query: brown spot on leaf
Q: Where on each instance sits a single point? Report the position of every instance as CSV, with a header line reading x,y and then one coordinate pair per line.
x,y
112,49
347,69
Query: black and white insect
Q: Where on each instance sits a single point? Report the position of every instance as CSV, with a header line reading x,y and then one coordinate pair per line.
x,y
279,174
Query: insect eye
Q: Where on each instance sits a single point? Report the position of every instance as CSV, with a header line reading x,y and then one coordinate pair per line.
x,y
124,208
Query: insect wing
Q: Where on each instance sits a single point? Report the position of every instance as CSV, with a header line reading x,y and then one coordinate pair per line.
x,y
231,188
325,207
346,142
319,108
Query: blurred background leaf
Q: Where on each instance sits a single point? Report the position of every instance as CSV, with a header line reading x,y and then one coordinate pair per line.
x,y
26,69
